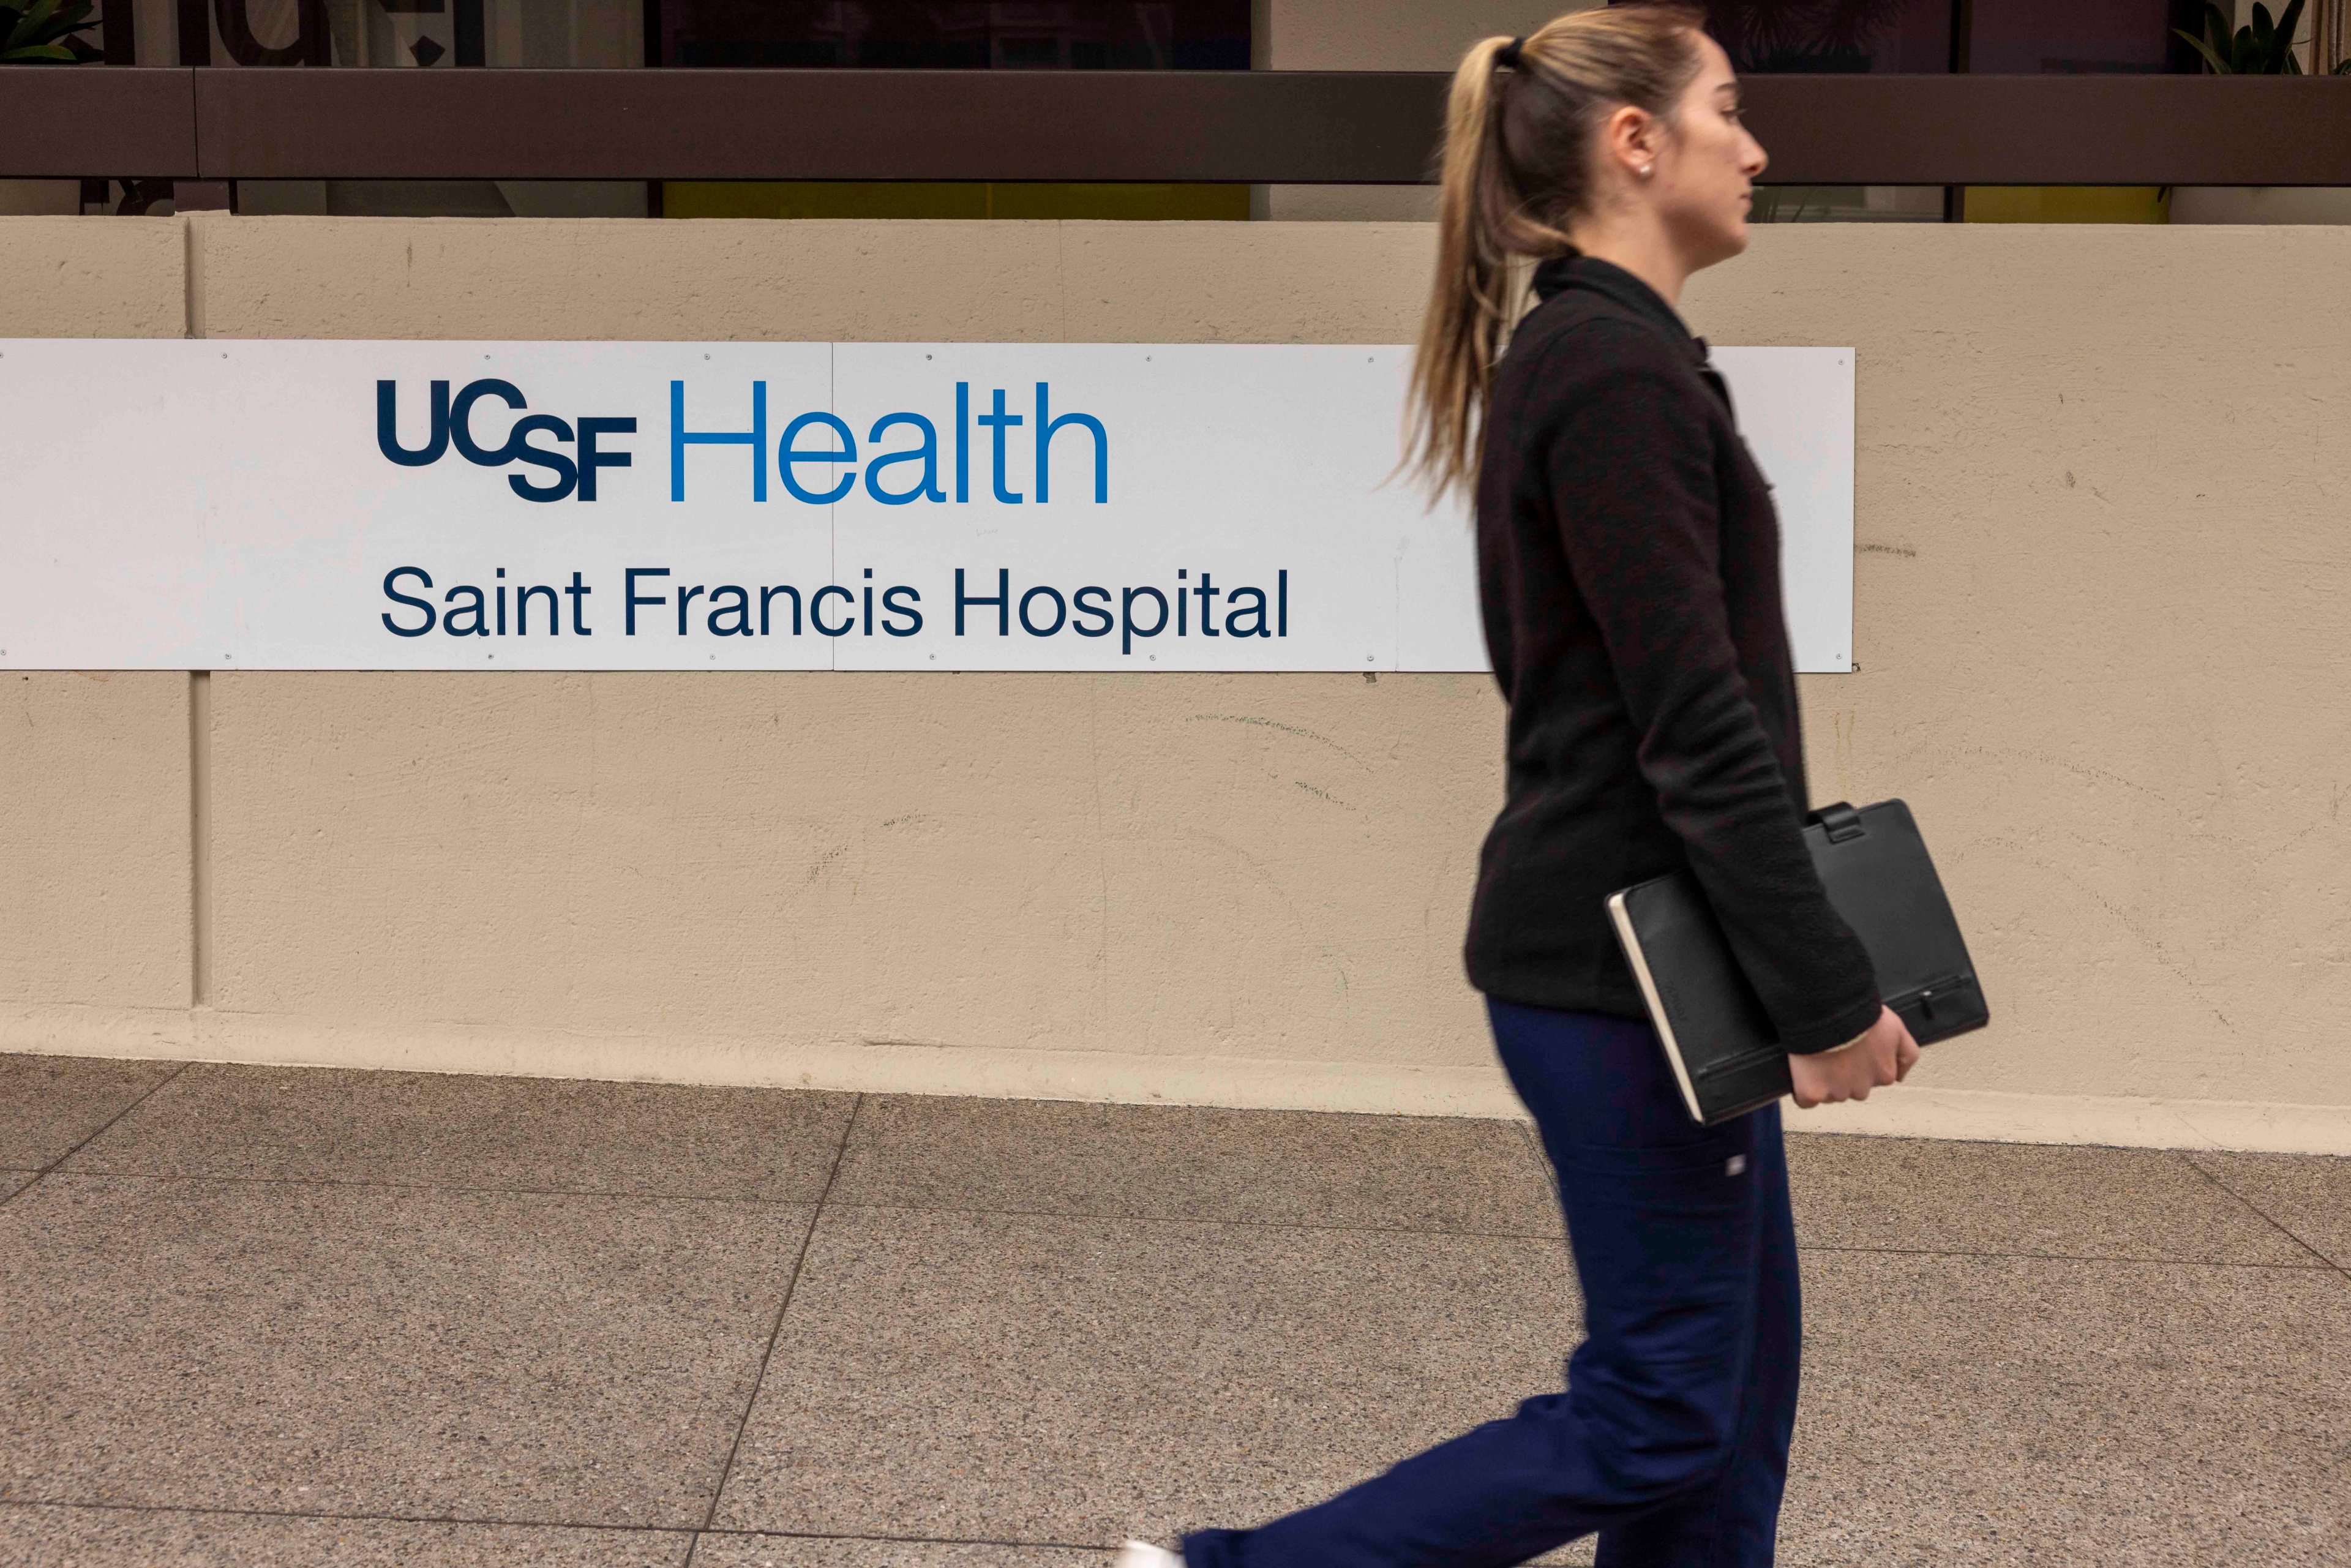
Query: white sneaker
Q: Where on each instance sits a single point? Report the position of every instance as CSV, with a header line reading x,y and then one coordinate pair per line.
x,y
1142,1554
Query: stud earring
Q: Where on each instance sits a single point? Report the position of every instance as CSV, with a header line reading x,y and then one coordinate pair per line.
x,y
1647,170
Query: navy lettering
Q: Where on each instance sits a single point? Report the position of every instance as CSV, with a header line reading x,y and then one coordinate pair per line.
x,y
592,457
1249,603
461,421
423,580
1060,611
816,610
1003,602
1129,631
522,611
475,607
1080,607
766,594
387,433
634,599
740,609
518,447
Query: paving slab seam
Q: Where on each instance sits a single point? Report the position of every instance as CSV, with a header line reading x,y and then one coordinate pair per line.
x,y
1531,1136
1184,1219
369,1517
438,1186
43,1173
775,1328
2316,1262
2319,1266
920,1540
2268,1218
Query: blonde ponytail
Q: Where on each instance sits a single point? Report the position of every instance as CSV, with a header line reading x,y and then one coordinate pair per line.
x,y
1519,125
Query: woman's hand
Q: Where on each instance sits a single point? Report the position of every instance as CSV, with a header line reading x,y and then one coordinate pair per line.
x,y
1883,1056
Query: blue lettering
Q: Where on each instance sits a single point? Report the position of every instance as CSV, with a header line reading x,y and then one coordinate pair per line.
x,y
1047,424
962,442
999,423
679,438
788,453
927,454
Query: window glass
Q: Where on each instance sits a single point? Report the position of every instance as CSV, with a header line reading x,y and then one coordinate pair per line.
x,y
1834,36
2032,37
1074,34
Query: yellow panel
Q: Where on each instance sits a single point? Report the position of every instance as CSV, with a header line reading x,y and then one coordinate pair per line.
x,y
946,199
2068,204
1228,202
822,199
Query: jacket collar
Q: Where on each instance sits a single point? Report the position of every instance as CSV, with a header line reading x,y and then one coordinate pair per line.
x,y
1619,286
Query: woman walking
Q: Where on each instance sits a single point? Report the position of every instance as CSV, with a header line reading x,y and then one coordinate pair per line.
x,y
1629,562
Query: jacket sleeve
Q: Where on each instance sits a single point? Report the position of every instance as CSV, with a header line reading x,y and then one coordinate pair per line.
x,y
1632,471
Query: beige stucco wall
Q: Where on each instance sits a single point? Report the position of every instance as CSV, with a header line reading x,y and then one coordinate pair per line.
x,y
2099,622
94,800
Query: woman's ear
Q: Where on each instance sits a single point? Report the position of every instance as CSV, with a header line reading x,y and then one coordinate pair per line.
x,y
1629,140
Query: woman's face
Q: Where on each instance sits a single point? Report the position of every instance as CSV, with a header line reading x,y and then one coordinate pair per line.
x,y
1707,165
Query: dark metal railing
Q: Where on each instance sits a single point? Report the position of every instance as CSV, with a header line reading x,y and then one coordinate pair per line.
x,y
1305,127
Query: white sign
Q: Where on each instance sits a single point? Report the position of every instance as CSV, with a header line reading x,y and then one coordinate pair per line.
x,y
265,505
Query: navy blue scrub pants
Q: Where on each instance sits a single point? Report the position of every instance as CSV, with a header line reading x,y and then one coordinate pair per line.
x,y
1671,1438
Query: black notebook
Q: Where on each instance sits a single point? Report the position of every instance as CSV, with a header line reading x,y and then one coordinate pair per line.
x,y
1880,878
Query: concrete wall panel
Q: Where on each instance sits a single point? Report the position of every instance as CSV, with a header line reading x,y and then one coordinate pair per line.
x,y
94,856
77,277
2100,621
2099,630
621,278
1161,866
95,920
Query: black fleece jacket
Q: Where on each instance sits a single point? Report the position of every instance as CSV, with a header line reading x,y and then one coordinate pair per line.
x,y
1629,569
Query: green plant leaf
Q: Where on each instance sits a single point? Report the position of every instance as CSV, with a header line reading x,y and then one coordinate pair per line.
x,y
2287,24
2212,62
29,29
36,52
